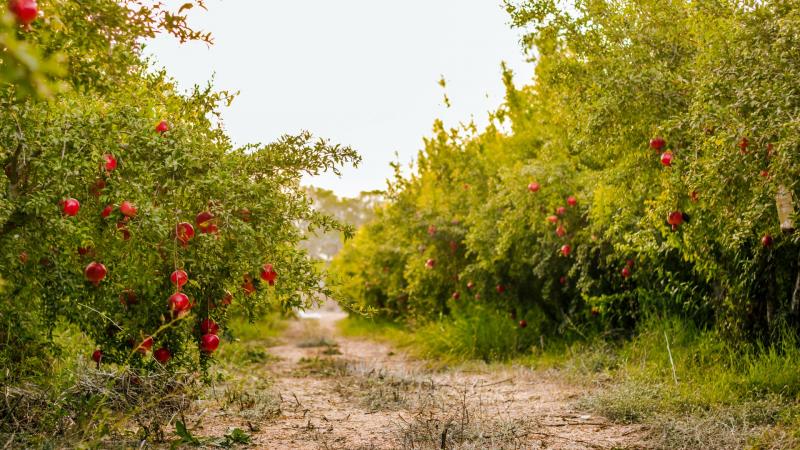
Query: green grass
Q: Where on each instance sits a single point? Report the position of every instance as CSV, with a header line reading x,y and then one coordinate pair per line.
x,y
250,341
374,328
267,328
726,396
480,334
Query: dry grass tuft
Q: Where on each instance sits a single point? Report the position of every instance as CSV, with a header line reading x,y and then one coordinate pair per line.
x,y
380,389
317,341
99,404
454,418
255,405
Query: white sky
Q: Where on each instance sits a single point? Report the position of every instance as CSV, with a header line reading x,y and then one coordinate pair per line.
x,y
362,73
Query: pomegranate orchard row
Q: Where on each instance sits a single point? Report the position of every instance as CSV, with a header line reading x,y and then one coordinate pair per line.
x,y
145,234
643,173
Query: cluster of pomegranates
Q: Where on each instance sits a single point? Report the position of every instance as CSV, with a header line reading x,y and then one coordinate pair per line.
x,y
179,302
675,219
658,144
556,218
626,271
209,341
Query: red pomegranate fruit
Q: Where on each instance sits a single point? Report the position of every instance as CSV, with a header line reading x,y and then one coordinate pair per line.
x,y
227,299
25,11
572,201
204,221
534,187
146,345
109,162
97,188
209,343
162,127
666,158
184,232
70,207
743,144
126,234
208,326
128,297
97,356
95,272
128,209
179,302
657,143
162,355
269,274
767,241
179,278
566,249
675,219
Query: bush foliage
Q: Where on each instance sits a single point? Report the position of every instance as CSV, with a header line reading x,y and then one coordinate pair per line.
x,y
716,80
57,128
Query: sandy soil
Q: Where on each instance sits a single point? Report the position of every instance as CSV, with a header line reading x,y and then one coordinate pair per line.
x,y
359,394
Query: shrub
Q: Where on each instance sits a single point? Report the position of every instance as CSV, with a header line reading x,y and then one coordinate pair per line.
x,y
140,158
712,84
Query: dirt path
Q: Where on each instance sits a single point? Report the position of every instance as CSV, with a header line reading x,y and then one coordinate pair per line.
x,y
343,393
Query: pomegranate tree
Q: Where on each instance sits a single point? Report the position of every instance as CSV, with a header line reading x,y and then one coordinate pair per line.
x,y
99,193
